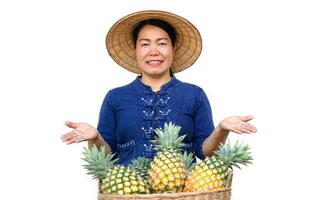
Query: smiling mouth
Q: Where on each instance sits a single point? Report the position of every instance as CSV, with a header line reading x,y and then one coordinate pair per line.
x,y
154,62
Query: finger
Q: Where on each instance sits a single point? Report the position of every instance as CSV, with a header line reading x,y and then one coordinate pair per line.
x,y
70,124
71,137
250,127
72,140
68,136
245,130
76,139
246,118
237,130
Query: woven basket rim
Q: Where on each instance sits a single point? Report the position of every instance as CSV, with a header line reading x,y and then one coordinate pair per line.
x,y
226,189
167,195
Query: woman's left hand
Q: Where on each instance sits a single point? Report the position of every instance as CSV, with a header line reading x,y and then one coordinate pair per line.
x,y
238,124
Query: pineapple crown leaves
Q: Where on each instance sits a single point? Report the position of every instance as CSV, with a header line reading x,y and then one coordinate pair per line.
x,y
168,138
141,163
233,155
98,161
188,160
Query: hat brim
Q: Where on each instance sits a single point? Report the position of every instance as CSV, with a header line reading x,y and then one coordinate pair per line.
x,y
120,45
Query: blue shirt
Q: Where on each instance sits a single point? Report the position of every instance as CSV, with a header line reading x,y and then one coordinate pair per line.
x,y
130,113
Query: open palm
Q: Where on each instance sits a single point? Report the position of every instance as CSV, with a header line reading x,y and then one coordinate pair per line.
x,y
238,124
81,132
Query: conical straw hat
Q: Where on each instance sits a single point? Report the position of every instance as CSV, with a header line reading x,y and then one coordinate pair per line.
x,y
120,44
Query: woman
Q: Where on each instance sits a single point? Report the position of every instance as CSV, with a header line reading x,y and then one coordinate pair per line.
x,y
155,44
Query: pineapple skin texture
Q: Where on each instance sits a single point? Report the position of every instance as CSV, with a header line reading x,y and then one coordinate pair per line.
x,y
123,180
167,173
209,174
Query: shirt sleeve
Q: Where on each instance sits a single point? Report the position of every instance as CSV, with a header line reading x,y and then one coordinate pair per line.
x,y
107,122
203,123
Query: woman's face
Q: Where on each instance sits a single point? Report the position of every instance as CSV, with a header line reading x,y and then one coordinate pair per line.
x,y
154,51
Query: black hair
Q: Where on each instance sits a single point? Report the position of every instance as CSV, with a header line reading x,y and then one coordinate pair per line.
x,y
154,22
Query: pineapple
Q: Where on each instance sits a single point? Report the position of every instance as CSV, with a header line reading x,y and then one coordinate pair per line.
x,y
141,165
98,162
115,179
123,180
168,172
211,173
188,161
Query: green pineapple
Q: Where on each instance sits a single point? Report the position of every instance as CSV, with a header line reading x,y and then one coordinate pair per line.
x,y
98,162
188,161
115,179
168,172
211,173
141,165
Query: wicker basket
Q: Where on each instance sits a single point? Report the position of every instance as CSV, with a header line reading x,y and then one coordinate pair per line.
x,y
221,194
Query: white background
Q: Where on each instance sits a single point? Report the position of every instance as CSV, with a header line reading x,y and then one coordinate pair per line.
x,y
54,67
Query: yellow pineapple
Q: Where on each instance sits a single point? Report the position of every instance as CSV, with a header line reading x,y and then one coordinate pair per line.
x,y
211,173
167,173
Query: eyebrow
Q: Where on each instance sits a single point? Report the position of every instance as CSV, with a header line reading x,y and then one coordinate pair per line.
x,y
145,39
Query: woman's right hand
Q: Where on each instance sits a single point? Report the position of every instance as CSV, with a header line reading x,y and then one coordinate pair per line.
x,y
81,132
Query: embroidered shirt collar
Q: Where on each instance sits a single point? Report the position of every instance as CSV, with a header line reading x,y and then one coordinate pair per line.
x,y
138,84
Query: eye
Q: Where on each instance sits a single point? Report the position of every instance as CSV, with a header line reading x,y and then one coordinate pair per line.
x,y
162,44
144,45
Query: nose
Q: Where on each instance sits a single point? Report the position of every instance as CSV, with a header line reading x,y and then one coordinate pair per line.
x,y
153,51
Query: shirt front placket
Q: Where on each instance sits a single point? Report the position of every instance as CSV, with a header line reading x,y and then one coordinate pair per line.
x,y
155,113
